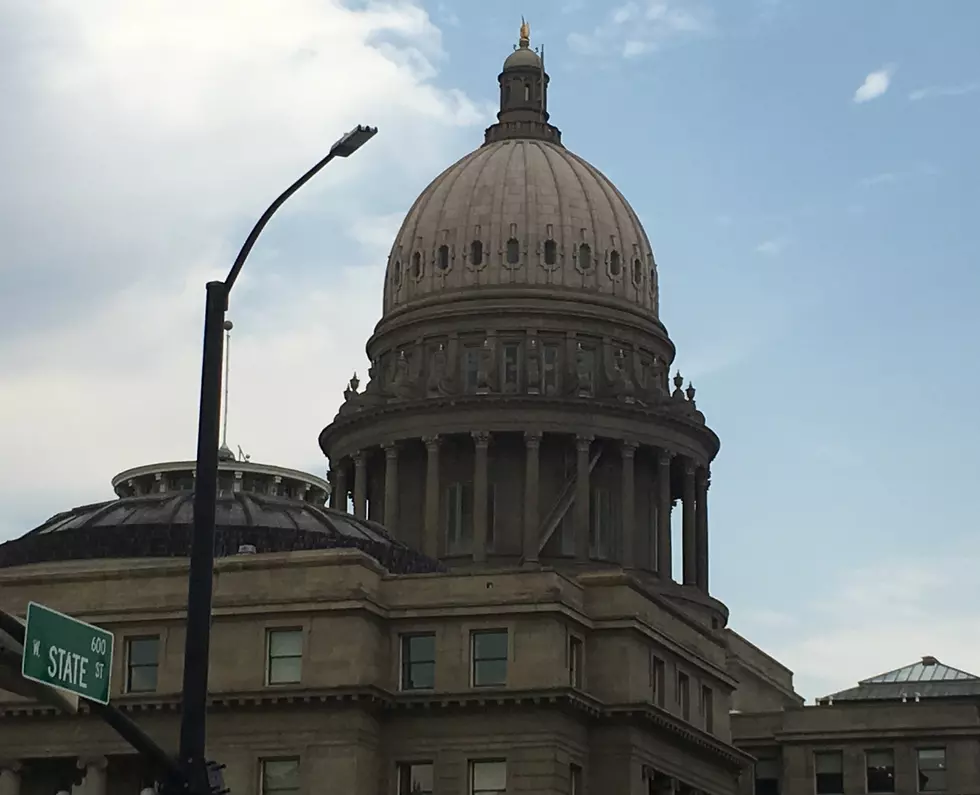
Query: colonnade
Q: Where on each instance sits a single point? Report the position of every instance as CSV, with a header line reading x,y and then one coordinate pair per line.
x,y
94,782
695,480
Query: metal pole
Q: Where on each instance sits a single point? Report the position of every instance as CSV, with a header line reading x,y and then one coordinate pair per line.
x,y
193,723
193,729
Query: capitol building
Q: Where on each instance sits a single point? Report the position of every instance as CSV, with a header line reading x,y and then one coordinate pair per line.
x,y
480,598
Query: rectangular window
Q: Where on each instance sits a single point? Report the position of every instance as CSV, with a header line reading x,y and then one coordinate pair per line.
x,y
828,770
549,380
142,664
600,524
415,778
658,680
767,775
489,654
880,770
510,375
574,780
575,661
471,369
488,777
459,517
280,776
708,709
932,769
418,661
684,694
285,656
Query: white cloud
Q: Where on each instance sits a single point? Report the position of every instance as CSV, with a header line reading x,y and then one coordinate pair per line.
x,y
933,92
874,85
140,142
877,616
638,27
772,247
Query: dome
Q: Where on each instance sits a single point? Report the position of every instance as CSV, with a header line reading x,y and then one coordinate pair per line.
x,y
259,509
522,213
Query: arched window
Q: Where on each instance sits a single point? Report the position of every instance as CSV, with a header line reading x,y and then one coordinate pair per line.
x,y
443,258
513,251
550,252
615,265
417,264
653,278
506,93
396,273
585,257
527,92
476,252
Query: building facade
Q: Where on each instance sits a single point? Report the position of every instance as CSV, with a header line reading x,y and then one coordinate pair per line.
x,y
489,603
915,729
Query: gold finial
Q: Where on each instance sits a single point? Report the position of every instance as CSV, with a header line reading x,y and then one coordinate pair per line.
x,y
525,31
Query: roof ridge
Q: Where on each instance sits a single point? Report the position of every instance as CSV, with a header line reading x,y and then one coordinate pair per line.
x,y
927,669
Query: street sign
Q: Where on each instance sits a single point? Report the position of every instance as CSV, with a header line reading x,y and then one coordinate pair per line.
x,y
63,652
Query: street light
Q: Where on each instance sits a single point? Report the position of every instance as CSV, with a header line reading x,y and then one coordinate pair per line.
x,y
193,731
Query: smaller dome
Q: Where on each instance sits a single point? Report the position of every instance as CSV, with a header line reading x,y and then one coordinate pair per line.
x,y
522,57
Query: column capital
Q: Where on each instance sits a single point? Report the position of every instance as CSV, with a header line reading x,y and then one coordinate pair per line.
x,y
532,438
583,442
481,438
663,457
704,477
628,448
391,450
431,442
690,466
11,765
360,458
92,762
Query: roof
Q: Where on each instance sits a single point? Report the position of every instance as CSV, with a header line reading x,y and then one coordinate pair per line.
x,y
928,678
251,511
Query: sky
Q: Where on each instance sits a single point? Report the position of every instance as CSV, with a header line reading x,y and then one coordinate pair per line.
x,y
806,170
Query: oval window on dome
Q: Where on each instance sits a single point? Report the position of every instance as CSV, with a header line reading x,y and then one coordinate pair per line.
x,y
550,252
637,271
443,257
615,263
585,257
476,252
396,273
513,251
653,278
417,264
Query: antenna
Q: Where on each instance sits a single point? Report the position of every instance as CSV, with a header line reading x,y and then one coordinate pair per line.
x,y
224,432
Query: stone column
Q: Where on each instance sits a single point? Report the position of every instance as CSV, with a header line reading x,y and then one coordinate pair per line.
x,y
9,777
702,480
430,535
532,462
96,780
690,544
391,486
360,484
582,476
628,524
481,443
341,489
665,552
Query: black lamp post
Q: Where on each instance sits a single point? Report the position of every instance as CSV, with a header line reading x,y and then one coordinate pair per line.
x,y
193,731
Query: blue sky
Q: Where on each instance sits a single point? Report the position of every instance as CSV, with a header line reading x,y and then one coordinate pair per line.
x,y
806,172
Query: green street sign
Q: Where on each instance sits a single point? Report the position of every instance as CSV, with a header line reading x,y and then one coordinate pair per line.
x,y
63,652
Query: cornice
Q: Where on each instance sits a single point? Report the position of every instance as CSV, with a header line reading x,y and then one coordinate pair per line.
x,y
384,701
501,409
